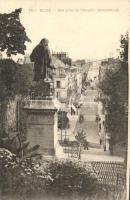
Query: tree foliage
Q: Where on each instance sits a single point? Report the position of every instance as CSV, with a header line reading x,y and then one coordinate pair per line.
x,y
12,33
82,140
15,79
62,178
80,62
115,88
70,177
124,47
80,136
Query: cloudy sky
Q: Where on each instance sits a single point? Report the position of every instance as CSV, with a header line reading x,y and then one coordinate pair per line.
x,y
83,28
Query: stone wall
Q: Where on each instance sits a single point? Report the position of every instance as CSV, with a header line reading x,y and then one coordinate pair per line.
x,y
11,117
8,118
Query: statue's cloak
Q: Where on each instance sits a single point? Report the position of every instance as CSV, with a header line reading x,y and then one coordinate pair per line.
x,y
41,57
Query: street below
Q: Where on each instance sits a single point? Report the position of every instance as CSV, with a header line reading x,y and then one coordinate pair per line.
x,y
89,110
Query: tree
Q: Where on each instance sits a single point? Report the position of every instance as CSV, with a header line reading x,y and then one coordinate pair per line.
x,y
80,62
15,79
115,88
12,33
81,138
124,48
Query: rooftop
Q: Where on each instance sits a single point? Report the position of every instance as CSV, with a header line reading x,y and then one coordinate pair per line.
x,y
57,63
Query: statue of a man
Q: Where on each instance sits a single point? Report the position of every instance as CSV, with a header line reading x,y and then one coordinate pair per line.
x,y
41,57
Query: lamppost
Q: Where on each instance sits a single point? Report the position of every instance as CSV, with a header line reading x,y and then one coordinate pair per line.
x,y
104,125
61,123
104,137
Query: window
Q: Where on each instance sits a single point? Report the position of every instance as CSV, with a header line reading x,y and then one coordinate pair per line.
x,y
58,84
57,94
61,72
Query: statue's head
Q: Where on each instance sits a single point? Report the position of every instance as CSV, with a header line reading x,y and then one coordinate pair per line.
x,y
44,42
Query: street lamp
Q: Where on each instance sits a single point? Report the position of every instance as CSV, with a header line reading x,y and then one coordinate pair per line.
x,y
61,123
104,125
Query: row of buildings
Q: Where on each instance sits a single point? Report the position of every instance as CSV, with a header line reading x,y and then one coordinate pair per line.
x,y
68,79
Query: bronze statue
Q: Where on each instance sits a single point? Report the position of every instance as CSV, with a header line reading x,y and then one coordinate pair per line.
x,y
41,57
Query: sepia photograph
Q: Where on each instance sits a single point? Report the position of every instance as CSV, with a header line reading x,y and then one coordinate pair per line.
x,y
64,88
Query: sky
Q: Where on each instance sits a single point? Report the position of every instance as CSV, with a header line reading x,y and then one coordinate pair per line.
x,y
85,29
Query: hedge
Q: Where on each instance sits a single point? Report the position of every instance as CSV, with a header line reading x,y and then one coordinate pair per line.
x,y
59,177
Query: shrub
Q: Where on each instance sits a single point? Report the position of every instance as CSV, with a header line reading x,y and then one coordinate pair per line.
x,y
70,177
28,179
56,177
7,167
20,177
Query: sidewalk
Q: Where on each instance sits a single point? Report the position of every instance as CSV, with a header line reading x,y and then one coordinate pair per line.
x,y
99,155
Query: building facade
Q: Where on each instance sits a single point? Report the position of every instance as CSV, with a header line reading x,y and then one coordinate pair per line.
x,y
60,79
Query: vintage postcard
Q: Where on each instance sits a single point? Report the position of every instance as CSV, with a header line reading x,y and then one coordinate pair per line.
x,y
64,86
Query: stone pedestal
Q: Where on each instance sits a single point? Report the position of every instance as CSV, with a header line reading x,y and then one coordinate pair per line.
x,y
42,125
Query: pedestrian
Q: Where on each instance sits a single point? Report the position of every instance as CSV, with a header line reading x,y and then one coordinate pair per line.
x,y
85,145
100,135
99,127
97,118
100,141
